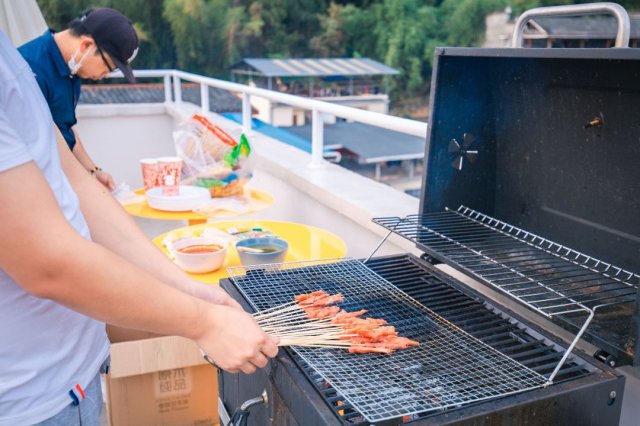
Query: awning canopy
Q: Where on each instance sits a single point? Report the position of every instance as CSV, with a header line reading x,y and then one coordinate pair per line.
x,y
322,67
21,20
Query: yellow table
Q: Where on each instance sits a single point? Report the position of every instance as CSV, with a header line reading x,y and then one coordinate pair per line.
x,y
305,242
142,209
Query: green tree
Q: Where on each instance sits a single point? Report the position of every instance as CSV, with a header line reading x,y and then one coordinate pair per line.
x,y
345,31
207,36
58,13
464,20
401,32
197,31
156,39
331,41
289,25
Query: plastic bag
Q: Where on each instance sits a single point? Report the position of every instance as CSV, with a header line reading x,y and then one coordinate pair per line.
x,y
212,158
125,195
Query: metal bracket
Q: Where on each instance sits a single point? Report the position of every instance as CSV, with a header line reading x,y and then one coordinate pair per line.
x,y
605,357
225,419
619,12
430,259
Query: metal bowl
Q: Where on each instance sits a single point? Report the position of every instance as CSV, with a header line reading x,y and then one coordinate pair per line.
x,y
257,251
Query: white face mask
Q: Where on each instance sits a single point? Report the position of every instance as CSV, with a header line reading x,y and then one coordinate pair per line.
x,y
74,66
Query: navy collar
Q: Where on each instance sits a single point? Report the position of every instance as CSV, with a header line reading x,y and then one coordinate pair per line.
x,y
55,55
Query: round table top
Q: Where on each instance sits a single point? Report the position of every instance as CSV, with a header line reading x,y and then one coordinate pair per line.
x,y
305,242
142,209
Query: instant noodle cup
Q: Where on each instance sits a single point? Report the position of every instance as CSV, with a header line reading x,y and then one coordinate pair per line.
x,y
169,170
149,173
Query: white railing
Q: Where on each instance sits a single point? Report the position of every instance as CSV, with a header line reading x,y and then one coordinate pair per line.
x,y
402,125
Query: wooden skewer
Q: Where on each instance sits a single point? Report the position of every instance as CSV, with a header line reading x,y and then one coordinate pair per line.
x,y
324,336
373,349
295,320
291,323
287,306
283,318
277,310
314,344
300,322
283,308
304,329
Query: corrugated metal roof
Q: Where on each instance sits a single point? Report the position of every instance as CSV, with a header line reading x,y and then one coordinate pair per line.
x,y
219,100
280,133
321,67
371,144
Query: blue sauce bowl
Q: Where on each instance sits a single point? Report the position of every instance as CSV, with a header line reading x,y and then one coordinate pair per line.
x,y
273,250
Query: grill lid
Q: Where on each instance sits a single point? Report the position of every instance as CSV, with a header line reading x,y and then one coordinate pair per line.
x,y
547,140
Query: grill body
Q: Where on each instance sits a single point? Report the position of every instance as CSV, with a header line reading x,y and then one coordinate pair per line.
x,y
543,141
584,393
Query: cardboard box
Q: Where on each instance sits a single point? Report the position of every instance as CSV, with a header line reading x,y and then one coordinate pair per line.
x,y
160,381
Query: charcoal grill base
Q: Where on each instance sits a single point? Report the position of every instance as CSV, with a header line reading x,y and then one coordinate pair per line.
x,y
294,400
583,403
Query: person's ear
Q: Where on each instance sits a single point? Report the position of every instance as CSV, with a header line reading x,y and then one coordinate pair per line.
x,y
86,43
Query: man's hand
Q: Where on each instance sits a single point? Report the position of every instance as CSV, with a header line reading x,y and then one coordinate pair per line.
x,y
106,179
234,341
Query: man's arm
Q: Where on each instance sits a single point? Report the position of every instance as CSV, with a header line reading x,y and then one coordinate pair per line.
x,y
114,229
83,157
48,258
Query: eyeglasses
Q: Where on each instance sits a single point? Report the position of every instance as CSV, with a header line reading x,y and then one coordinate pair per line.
x,y
104,59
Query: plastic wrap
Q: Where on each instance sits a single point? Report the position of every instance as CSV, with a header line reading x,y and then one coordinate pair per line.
x,y
212,158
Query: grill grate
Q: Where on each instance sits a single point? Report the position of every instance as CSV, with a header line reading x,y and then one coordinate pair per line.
x,y
548,277
448,369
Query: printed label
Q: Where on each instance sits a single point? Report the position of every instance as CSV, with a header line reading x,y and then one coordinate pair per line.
x,y
171,383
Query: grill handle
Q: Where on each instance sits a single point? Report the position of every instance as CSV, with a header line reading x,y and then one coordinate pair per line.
x,y
619,12
241,415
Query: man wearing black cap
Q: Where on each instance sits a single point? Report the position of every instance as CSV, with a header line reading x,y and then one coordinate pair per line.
x,y
96,44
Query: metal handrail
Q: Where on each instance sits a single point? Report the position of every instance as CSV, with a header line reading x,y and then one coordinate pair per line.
x,y
619,12
402,125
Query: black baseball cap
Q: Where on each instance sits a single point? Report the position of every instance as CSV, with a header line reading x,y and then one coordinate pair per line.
x,y
114,33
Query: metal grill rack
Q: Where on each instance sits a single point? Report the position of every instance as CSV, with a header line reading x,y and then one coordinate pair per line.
x,y
438,292
449,368
547,277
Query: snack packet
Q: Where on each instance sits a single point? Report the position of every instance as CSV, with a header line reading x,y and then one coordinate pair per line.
x,y
212,158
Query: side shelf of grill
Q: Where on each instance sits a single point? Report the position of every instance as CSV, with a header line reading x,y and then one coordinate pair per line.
x,y
553,280
548,277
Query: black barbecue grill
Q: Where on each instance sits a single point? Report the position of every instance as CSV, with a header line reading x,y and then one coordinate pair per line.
x,y
480,346
531,189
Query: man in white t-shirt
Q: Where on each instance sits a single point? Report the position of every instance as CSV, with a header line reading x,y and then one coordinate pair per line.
x,y
71,259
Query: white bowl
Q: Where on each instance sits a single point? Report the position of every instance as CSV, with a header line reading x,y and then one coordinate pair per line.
x,y
189,198
199,263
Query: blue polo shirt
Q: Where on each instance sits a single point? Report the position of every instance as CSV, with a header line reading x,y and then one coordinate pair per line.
x,y
60,88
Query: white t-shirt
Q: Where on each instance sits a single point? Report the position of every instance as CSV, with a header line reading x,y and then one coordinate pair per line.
x,y
45,348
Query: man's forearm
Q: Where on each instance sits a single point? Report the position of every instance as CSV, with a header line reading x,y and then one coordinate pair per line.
x,y
50,259
114,229
82,156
